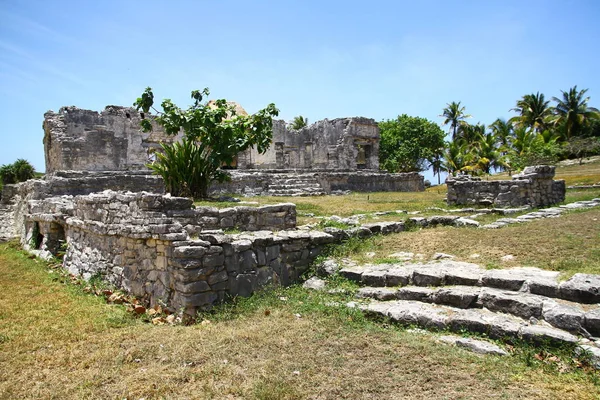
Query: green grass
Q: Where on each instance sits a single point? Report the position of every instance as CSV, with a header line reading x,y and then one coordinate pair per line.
x,y
283,343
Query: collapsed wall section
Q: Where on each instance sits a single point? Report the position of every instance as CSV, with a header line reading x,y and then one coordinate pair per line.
x,y
533,187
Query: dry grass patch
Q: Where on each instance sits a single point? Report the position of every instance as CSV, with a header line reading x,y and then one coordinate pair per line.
x,y
59,343
570,243
585,174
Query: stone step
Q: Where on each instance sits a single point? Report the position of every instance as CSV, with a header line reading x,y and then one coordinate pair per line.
x,y
294,185
313,188
298,194
565,315
494,325
581,288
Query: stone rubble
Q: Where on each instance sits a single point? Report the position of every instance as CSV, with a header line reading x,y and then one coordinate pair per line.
x,y
474,345
551,212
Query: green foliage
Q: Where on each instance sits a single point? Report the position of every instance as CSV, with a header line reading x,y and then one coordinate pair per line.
x,y
572,114
299,122
19,171
534,112
214,135
23,170
534,151
408,143
187,168
7,174
539,134
580,147
455,115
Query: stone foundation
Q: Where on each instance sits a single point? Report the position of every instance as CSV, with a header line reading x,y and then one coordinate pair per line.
x,y
160,249
533,187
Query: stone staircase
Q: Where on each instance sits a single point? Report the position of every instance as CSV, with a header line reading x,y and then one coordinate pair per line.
x,y
293,185
526,303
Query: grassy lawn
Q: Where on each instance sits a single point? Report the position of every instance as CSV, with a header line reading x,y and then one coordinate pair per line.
x,y
58,343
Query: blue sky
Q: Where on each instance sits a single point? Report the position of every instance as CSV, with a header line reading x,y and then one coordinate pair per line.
x,y
319,59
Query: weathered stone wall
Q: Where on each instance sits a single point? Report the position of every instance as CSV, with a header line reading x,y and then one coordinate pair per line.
x,y
534,187
338,144
84,140
15,198
141,243
268,182
371,181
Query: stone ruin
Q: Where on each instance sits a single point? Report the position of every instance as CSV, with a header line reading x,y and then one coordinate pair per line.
x,y
533,187
100,207
330,155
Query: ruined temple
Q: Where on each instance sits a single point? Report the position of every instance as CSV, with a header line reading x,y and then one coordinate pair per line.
x,y
101,206
328,155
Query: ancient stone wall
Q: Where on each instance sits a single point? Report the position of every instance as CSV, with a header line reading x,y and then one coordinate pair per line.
x,y
534,187
371,181
84,140
15,198
295,183
141,242
337,144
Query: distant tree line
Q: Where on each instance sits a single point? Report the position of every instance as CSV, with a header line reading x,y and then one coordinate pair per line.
x,y
543,131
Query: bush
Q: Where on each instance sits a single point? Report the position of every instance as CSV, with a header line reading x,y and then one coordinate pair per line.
x,y
7,174
19,171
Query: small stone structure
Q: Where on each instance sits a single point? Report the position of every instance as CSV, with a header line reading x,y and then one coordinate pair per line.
x,y
533,187
161,250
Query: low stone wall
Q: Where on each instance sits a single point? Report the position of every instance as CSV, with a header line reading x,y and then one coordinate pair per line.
x,y
534,187
15,198
371,181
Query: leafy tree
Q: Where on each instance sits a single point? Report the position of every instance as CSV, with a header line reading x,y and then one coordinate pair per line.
x,y
531,149
534,112
455,115
437,163
572,112
407,143
486,151
581,147
299,122
213,136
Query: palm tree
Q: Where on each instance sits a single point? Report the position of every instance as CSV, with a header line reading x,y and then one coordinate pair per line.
x,y
572,112
522,141
487,154
533,111
503,130
299,122
455,115
436,162
455,157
